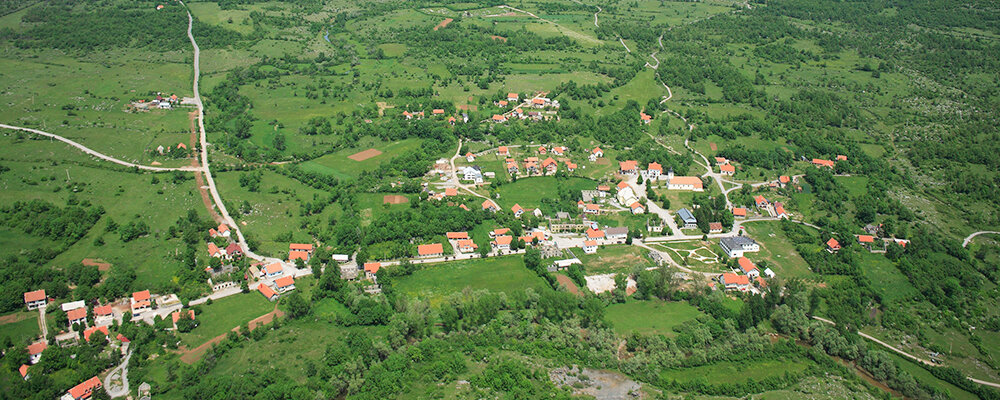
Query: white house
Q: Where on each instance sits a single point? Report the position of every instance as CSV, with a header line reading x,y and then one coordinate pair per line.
x,y
619,233
284,284
737,245
473,173
273,270
590,247
637,208
733,281
748,268
690,222
653,171
35,299
341,258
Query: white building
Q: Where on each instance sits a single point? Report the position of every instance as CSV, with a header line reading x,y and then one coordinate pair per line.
x,y
590,247
737,245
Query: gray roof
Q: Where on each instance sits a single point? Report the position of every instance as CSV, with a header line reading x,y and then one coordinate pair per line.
x,y
622,230
562,215
686,215
736,242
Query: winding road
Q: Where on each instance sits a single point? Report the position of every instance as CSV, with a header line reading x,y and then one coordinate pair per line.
x,y
121,372
94,153
968,239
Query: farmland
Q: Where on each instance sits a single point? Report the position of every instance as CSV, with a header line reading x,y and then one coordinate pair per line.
x,y
650,317
434,282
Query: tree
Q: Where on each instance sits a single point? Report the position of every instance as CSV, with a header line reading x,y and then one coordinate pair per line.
x,y
297,307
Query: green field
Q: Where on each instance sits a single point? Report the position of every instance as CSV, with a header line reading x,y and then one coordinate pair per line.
x,y
529,192
338,165
735,372
777,250
225,314
435,282
612,258
888,280
22,331
650,317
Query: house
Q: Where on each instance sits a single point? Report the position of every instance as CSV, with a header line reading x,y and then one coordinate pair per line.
x,y
550,166
499,118
727,169
176,316
538,102
783,180
593,209
273,270
596,153
90,331
733,281
604,189
467,246
77,316
519,113
268,293
512,167
470,157
23,370
451,120
653,171
685,183
437,111
760,201
84,390
512,96
690,222
502,103
645,118
748,267
517,210
298,255
502,242
283,284
531,166
457,235
306,247
637,208
35,352
542,150
430,250
72,305
618,233
721,161
595,234
140,302
214,251
233,251
103,315
559,265
499,231
739,212
714,227
779,210
503,151
589,247
841,157
818,162
224,231
35,299
450,192
866,240
570,166
832,245
559,150
628,167
736,246
407,115
181,146
371,269
489,205
473,173
253,273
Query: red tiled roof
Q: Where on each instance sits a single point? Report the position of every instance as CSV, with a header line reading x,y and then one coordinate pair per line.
x,y
779,209
715,226
233,248
458,235
841,157
266,291
739,211
36,348
296,255
272,268
537,101
284,281
822,162
622,185
595,233
498,117
655,167
487,204
437,111
90,331
730,278
592,207
628,165
102,310
85,389
467,243
428,249
694,181
140,304
212,249
721,160
759,199
122,338
76,313
300,246
503,149
603,188
223,228
34,296
516,208
176,315
636,205
589,243
784,179
512,95
833,243
372,267
727,168
500,231
23,370
746,265
597,150
450,192
502,240
866,238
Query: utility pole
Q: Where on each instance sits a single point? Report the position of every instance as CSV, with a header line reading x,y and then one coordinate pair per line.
x,y
67,175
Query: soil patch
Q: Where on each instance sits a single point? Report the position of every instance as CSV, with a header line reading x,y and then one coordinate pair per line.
x,y
94,262
712,146
364,155
569,284
495,37
602,161
602,385
199,180
12,318
155,163
466,107
395,199
443,23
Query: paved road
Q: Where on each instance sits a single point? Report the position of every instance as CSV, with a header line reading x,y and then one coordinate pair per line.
x,y
457,182
94,153
968,239
42,324
122,370
204,153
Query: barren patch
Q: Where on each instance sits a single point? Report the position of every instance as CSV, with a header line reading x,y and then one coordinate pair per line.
x,y
364,155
